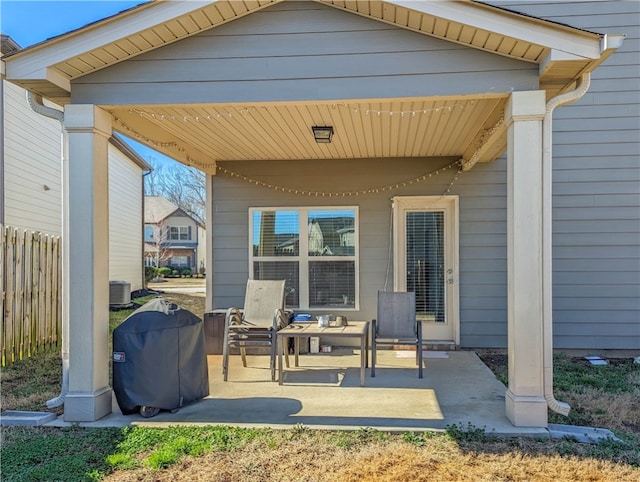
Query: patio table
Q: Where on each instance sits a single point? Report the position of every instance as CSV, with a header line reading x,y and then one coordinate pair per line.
x,y
297,330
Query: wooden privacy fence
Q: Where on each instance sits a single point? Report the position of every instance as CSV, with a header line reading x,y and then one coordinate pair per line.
x,y
31,282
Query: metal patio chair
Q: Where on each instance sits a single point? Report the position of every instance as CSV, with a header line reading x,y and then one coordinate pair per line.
x,y
396,325
255,325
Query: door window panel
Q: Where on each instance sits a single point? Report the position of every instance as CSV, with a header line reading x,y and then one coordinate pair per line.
x,y
426,264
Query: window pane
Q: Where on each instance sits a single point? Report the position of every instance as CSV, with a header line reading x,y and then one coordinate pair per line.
x,y
286,270
332,284
331,232
425,263
276,233
179,261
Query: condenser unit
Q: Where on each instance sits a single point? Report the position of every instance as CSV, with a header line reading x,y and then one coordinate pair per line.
x,y
119,293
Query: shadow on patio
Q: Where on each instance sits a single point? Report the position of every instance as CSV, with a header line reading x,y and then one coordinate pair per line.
x,y
325,393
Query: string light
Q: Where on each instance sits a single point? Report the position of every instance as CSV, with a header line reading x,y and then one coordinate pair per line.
x,y
486,134
167,145
453,181
362,192
243,111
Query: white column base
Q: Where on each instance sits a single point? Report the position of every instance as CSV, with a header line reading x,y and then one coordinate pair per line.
x,y
87,407
526,411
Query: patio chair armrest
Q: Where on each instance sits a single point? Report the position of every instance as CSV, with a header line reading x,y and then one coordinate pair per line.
x,y
280,319
374,329
234,316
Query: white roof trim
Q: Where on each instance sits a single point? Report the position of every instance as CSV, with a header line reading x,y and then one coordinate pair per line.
x,y
48,68
509,24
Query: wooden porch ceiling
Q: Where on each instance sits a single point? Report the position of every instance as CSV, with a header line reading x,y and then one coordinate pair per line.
x,y
200,135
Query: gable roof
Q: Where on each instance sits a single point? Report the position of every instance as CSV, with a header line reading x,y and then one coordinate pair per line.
x,y
157,209
458,115
563,53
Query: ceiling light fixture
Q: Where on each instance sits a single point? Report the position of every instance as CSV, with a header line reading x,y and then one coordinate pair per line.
x,y
322,134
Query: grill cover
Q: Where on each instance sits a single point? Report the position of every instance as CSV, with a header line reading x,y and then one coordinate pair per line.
x,y
159,358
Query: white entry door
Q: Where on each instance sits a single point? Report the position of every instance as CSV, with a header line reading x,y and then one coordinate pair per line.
x,y
426,261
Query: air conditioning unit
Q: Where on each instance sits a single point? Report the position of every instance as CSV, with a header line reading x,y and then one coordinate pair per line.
x,y
119,293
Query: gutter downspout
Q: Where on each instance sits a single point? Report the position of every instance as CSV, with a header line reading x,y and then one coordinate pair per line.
x,y
35,102
144,258
547,255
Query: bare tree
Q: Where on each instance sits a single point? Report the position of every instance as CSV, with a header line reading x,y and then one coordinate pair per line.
x,y
182,185
160,253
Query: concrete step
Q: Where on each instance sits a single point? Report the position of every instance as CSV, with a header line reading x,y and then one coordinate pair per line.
x,y
30,419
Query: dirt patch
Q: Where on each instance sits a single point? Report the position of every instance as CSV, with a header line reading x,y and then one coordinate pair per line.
x,y
440,459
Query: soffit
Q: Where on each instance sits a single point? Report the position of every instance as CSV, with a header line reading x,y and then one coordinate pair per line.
x,y
200,135
465,127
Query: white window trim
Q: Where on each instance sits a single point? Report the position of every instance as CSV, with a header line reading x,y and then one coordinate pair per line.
x,y
303,260
180,229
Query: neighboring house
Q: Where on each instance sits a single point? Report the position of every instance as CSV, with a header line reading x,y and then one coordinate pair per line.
x,y
171,236
30,161
418,135
31,179
126,211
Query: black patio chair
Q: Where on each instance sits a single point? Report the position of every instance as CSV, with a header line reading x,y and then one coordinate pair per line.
x,y
396,325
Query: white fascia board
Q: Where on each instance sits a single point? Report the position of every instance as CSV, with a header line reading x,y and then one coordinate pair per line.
x,y
33,61
56,78
611,42
556,56
558,37
47,74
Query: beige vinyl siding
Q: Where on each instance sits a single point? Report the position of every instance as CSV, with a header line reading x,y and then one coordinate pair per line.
x,y
302,51
596,214
32,159
125,220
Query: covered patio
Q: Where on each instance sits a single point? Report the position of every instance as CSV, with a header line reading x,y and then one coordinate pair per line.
x,y
412,90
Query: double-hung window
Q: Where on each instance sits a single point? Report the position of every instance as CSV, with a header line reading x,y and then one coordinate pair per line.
x,y
314,249
180,233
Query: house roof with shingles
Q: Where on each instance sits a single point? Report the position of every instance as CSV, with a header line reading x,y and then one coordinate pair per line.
x,y
157,209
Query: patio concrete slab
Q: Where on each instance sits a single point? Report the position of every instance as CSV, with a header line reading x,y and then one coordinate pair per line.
x,y
325,393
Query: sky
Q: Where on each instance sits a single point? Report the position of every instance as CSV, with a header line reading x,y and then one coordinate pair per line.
x,y
29,22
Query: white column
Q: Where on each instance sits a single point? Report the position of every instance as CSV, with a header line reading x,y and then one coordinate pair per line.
x,y
208,260
525,402
86,213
